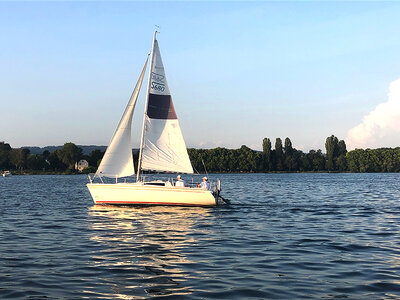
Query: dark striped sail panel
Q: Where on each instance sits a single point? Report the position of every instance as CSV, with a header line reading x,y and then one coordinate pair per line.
x,y
161,107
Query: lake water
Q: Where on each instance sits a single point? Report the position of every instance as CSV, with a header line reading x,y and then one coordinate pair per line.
x,y
285,236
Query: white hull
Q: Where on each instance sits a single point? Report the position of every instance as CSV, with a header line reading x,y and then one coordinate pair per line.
x,y
6,174
139,194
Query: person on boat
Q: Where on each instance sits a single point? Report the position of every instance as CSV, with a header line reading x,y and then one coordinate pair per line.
x,y
179,181
205,184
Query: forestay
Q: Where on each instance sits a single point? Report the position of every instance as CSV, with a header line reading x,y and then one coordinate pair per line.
x,y
163,147
117,160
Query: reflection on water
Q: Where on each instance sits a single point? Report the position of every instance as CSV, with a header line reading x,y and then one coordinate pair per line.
x,y
148,242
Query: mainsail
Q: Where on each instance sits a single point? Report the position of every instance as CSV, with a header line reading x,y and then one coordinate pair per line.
x,y
117,160
163,147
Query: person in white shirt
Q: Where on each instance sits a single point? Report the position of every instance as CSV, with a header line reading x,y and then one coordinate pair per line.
x,y
205,184
179,181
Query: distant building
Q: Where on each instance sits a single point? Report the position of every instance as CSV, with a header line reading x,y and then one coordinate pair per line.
x,y
82,164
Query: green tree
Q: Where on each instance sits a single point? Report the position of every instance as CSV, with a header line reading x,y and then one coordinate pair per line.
x,y
36,162
4,155
46,154
247,159
332,148
94,157
288,147
70,154
266,154
278,154
233,160
353,158
290,162
316,160
55,163
18,157
342,148
341,161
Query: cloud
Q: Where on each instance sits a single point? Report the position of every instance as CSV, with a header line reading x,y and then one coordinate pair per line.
x,y
380,126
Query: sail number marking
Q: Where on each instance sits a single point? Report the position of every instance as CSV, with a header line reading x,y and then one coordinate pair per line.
x,y
157,82
157,77
157,86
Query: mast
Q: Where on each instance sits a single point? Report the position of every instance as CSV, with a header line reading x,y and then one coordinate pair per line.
x,y
145,108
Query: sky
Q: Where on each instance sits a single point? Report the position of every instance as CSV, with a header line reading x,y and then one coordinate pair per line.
x,y
237,71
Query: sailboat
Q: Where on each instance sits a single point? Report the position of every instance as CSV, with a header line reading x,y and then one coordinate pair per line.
x,y
162,149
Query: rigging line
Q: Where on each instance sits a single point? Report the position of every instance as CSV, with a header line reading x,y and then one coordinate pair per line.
x,y
145,108
204,165
196,170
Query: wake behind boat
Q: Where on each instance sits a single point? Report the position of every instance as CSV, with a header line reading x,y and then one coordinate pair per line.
x,y
162,149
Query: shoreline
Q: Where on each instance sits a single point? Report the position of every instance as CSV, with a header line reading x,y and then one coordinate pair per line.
x,y
273,172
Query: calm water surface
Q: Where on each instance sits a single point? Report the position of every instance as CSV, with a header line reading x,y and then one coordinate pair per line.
x,y
285,236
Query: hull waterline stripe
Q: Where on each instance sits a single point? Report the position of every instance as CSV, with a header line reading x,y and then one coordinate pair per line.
x,y
154,203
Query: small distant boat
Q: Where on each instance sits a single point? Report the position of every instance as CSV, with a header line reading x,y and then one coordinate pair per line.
x,y
6,173
162,149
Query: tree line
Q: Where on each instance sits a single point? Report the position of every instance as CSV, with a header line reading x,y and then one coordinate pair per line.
x,y
63,160
284,158
280,158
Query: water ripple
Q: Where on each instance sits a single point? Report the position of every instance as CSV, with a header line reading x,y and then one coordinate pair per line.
x,y
285,236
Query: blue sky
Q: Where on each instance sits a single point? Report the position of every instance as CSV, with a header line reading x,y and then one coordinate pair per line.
x,y
237,71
